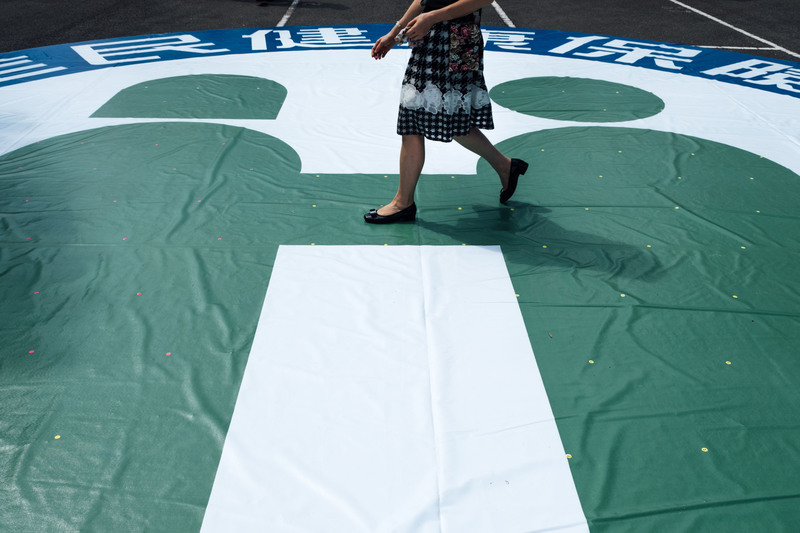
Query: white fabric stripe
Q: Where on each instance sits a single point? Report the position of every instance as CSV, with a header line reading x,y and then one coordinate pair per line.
x,y
392,389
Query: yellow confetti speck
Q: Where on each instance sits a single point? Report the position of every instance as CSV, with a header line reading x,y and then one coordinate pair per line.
x,y
517,295
677,207
569,456
752,178
758,211
735,296
317,175
727,362
313,205
649,245
452,177
459,209
313,244
591,361
586,208
704,450
544,246
622,295
512,208
680,178
57,437
744,247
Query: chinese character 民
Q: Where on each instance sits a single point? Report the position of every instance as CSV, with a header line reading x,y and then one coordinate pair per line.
x,y
133,50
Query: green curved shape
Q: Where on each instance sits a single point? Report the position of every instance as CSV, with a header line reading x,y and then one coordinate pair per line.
x,y
128,224
577,99
203,96
153,238
714,280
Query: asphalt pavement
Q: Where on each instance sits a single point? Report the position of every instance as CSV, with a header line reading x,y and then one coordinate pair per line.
x,y
768,28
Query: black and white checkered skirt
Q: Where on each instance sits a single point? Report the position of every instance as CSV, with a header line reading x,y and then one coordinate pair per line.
x,y
444,94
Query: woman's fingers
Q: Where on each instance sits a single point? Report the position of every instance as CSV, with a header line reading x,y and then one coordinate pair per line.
x,y
382,47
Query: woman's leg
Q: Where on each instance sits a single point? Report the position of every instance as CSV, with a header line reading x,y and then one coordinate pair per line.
x,y
477,142
412,159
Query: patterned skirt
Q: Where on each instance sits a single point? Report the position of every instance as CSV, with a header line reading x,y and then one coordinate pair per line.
x,y
444,94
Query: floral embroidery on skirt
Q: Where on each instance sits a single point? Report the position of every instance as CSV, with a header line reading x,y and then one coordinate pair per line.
x,y
444,94
466,47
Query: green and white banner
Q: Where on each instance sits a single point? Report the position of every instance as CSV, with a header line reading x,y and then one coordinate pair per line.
x,y
199,332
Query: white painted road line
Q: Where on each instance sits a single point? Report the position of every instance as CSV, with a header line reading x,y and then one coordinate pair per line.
x,y
503,15
392,389
288,14
731,26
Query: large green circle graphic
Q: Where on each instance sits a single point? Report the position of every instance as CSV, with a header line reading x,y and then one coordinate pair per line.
x,y
577,99
716,208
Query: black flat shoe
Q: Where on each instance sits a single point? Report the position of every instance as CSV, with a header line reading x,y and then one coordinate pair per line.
x,y
518,168
409,214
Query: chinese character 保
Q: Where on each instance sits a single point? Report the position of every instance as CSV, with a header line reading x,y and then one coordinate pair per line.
x,y
628,52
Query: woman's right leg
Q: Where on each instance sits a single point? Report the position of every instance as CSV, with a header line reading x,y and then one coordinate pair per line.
x,y
477,142
412,159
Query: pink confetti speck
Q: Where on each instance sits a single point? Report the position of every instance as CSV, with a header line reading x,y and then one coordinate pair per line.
x,y
174,169
27,200
198,201
31,351
28,239
169,353
115,201
37,292
138,294
124,238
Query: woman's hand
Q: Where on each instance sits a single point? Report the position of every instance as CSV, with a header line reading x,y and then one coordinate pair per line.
x,y
419,27
383,45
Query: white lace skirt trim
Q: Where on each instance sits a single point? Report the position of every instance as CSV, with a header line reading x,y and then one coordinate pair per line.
x,y
432,100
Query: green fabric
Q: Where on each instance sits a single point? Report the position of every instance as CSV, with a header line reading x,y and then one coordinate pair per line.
x,y
200,96
577,99
123,244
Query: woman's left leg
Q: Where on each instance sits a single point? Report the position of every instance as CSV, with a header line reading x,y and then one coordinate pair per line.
x,y
412,159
